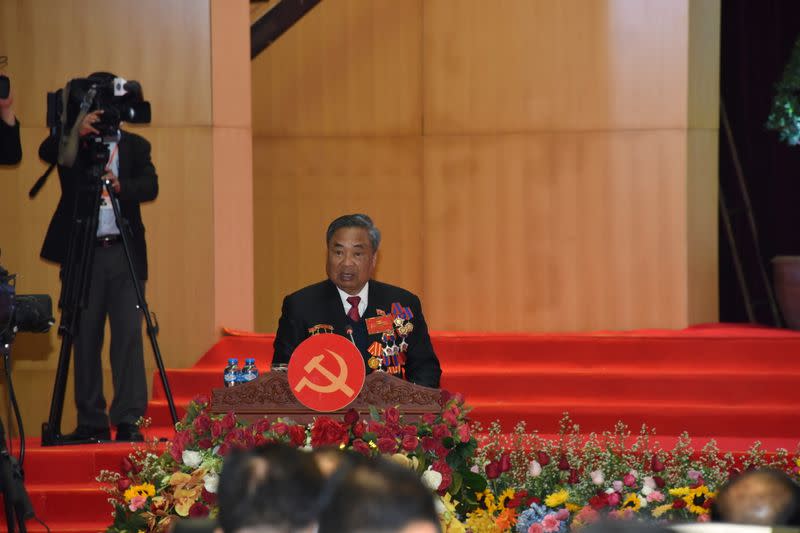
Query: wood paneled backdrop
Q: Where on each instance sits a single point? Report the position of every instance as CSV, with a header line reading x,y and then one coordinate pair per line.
x,y
535,165
167,45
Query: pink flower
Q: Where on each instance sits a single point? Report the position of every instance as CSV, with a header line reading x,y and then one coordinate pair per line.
x,y
597,477
617,484
629,480
614,499
704,518
463,433
536,527
562,514
534,469
550,523
694,475
137,502
655,496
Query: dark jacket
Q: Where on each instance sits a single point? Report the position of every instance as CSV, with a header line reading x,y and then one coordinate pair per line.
x,y
10,147
138,182
320,304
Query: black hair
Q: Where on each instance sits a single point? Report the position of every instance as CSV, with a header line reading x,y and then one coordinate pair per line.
x,y
376,495
356,220
785,510
269,485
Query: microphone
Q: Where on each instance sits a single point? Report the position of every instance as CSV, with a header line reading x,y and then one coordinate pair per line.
x,y
349,331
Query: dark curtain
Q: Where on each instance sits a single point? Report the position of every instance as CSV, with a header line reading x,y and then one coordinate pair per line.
x,y
757,39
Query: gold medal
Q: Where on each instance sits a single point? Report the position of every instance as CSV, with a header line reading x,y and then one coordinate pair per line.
x,y
374,363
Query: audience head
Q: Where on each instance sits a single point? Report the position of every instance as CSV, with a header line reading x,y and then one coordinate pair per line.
x,y
378,496
353,242
759,497
270,488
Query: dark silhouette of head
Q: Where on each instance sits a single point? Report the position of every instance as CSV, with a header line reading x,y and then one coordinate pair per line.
x,y
375,495
269,489
758,497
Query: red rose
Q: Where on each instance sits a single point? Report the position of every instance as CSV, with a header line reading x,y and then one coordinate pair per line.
x,y
205,444
410,443
209,497
387,445
517,499
410,430
216,428
128,466
202,424
445,396
228,421
629,480
678,504
573,476
361,447
297,435
351,417
376,427
493,470
123,483
707,503
198,510
261,425
429,444
441,431
660,483
429,418
391,415
534,500
599,501
223,449
450,417
328,432
463,433
563,464
359,429
505,463
201,399
656,465
447,474
544,459
280,428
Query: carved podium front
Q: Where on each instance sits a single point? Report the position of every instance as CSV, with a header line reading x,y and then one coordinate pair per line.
x,y
270,395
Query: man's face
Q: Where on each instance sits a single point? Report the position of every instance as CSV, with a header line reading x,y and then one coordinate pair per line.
x,y
351,259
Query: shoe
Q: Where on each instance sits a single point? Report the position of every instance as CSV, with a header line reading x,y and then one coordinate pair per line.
x,y
129,432
87,433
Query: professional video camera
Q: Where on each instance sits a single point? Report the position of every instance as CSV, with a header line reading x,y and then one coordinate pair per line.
x,y
119,99
22,312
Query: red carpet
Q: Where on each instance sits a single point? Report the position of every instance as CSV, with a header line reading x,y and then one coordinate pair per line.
x,y
736,384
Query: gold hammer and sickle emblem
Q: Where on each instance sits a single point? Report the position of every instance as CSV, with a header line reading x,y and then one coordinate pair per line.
x,y
336,382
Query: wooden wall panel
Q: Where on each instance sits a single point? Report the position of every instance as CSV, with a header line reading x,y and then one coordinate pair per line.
x,y
301,185
532,65
349,67
164,44
554,231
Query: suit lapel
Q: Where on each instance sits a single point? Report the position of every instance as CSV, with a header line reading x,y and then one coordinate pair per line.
x,y
335,309
124,155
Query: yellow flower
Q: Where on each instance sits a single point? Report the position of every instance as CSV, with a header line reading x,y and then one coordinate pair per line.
x,y
631,502
557,498
694,498
661,509
507,494
146,489
480,521
571,507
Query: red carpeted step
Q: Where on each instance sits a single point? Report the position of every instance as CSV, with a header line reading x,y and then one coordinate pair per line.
x,y
80,502
67,527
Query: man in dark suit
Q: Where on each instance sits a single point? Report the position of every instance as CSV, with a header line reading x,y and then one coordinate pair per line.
x,y
10,147
349,299
112,293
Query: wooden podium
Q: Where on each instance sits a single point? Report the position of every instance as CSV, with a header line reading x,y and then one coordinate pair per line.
x,y
270,395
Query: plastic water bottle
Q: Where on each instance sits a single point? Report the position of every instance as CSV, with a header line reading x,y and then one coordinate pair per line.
x,y
249,370
231,373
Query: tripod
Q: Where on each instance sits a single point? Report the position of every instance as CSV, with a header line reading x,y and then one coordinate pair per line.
x,y
16,503
76,282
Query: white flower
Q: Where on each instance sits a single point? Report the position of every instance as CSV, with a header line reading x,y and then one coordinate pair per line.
x,y
610,490
642,501
597,477
534,469
432,478
211,482
191,458
440,507
648,486
475,469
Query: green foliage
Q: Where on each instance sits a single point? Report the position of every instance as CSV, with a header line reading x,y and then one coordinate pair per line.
x,y
784,116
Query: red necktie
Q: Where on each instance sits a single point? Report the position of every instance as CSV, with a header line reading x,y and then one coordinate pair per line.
x,y
353,312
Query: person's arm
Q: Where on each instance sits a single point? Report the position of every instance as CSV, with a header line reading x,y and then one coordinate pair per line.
x,y
142,184
10,145
422,365
289,334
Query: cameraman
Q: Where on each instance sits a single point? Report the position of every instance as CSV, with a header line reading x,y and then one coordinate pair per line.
x,y
112,293
10,147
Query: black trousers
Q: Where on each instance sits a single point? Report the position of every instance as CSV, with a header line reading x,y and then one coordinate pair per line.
x,y
111,295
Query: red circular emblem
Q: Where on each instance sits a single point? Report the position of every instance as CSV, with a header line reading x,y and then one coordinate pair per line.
x,y
326,372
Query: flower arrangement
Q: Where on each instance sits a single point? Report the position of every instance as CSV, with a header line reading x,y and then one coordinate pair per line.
x,y
785,113
156,486
520,482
